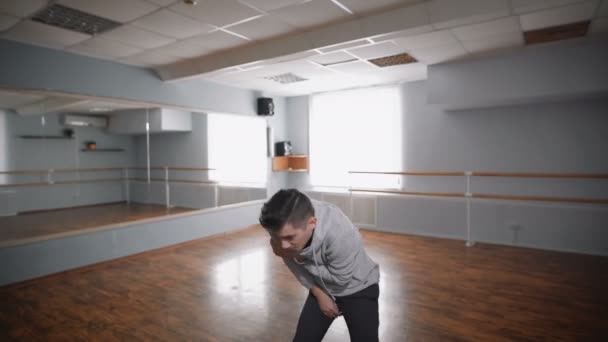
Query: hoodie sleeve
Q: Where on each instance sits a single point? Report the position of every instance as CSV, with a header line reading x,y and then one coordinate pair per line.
x,y
303,276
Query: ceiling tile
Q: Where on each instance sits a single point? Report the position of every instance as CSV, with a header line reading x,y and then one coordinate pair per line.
x,y
262,28
218,40
298,56
301,68
525,6
377,50
310,13
118,10
599,25
344,46
104,48
494,42
367,6
331,58
137,37
603,11
7,21
401,19
21,8
439,54
450,13
354,67
187,48
404,72
427,40
40,34
558,16
171,24
312,72
405,33
500,26
269,5
219,13
150,58
344,32
10,100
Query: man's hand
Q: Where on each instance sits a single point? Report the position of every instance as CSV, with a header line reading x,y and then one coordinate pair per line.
x,y
326,304
277,250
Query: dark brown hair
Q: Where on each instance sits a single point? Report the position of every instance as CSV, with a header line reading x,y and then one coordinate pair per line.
x,y
286,206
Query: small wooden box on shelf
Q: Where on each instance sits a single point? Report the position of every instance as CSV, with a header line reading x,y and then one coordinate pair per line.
x,y
292,163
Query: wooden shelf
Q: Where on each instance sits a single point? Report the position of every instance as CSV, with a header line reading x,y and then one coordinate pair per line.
x,y
59,137
293,163
103,150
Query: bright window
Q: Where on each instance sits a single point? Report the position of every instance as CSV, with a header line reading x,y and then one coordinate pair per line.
x,y
237,148
355,130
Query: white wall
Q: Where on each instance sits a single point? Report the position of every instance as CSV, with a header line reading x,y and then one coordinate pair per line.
x,y
567,69
564,137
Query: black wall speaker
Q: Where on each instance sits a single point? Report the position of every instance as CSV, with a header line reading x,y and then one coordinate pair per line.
x,y
265,106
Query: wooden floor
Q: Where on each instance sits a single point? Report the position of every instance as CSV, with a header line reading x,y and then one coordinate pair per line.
x,y
231,288
44,223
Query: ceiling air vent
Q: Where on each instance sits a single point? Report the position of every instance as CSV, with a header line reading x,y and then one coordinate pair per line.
x,y
402,58
286,78
554,33
74,20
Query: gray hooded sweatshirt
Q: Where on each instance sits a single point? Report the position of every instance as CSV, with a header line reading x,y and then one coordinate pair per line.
x,y
335,259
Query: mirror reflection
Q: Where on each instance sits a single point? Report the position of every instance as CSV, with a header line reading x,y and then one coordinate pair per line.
x,y
71,163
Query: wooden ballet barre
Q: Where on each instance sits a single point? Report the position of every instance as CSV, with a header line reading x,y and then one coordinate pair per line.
x,y
191,169
97,180
139,179
191,181
101,169
397,192
23,184
23,172
486,196
61,170
406,173
172,168
492,174
94,180
542,175
543,199
173,180
145,168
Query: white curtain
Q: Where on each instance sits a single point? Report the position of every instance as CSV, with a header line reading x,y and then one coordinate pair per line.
x,y
356,130
237,148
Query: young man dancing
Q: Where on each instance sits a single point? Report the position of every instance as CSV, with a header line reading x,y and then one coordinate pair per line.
x,y
325,252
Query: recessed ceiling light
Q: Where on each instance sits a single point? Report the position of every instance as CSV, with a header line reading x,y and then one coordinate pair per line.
x,y
402,58
555,33
286,78
74,20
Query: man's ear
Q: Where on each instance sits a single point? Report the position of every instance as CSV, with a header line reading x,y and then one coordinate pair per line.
x,y
313,220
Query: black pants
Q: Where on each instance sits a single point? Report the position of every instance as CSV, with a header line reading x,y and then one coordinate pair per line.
x,y
360,312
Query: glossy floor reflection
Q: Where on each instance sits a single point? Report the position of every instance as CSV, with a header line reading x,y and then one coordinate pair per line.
x,y
231,288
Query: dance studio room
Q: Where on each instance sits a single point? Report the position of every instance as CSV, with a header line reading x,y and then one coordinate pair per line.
x,y
303,170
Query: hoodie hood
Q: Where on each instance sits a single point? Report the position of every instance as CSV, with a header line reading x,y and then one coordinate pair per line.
x,y
323,225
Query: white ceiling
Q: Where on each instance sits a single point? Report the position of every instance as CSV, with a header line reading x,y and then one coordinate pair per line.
x,y
308,38
39,102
